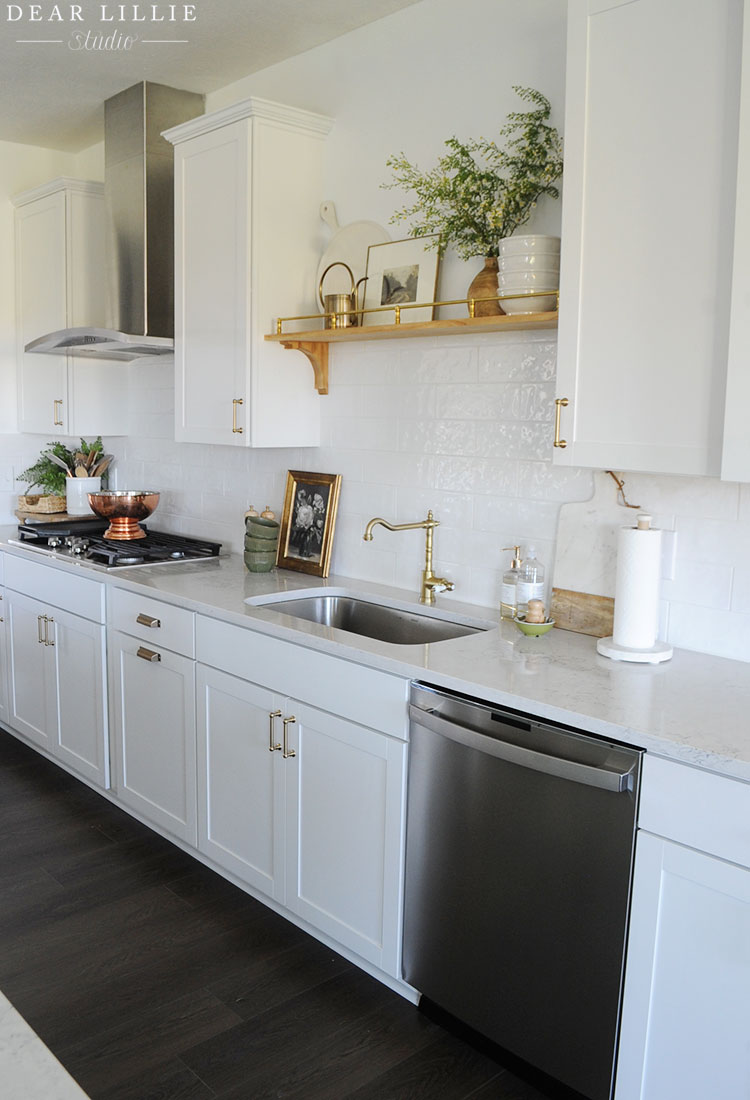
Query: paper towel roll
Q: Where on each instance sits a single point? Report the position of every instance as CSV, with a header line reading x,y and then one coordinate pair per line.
x,y
636,622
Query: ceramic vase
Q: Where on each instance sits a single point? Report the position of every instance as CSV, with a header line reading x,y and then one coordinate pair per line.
x,y
77,491
484,285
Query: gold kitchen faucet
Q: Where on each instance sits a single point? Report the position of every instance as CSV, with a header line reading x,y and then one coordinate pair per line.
x,y
430,583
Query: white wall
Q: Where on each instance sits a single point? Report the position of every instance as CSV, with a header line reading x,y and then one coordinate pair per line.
x,y
408,82
460,426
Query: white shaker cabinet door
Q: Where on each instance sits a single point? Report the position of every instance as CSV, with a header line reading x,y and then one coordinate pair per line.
x,y
41,307
3,658
153,722
240,779
345,822
648,219
32,676
687,990
80,737
248,181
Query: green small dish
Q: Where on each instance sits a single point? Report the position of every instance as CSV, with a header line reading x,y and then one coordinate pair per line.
x,y
263,545
259,528
533,630
258,562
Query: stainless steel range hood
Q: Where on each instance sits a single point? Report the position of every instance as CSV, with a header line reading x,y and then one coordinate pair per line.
x,y
139,199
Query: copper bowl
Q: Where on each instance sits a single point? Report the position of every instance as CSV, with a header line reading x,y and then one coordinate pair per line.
x,y
124,508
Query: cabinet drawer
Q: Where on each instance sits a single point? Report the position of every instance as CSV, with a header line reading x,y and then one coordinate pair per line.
x,y
698,808
80,595
161,624
372,698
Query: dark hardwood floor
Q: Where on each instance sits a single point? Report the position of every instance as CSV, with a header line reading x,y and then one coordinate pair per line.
x,y
151,978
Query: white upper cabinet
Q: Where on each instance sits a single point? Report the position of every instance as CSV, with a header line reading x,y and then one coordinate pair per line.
x,y
60,283
248,186
736,456
648,227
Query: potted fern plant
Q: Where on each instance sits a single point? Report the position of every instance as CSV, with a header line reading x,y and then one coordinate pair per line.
x,y
480,192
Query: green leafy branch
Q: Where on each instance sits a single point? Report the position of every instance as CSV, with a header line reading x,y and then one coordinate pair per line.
x,y
479,192
51,477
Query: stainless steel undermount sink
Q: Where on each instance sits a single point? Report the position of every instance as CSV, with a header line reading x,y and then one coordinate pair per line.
x,y
382,622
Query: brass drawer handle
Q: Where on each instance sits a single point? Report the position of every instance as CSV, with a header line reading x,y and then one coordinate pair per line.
x,y
287,751
560,404
148,620
148,654
274,714
235,402
57,412
47,640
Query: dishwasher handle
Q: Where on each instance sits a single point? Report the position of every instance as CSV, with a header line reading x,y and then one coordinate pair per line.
x,y
605,778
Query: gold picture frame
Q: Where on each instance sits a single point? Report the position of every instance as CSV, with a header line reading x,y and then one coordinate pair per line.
x,y
401,273
308,521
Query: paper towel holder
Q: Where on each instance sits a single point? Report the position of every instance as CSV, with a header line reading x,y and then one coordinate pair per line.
x,y
655,654
658,652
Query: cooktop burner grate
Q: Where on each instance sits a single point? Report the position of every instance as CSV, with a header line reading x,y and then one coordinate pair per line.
x,y
84,540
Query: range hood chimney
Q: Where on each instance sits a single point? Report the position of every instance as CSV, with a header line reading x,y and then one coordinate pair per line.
x,y
139,201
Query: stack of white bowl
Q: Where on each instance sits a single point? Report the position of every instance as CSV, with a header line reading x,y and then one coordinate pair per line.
x,y
527,266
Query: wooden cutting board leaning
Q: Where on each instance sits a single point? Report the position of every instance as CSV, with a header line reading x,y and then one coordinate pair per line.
x,y
585,565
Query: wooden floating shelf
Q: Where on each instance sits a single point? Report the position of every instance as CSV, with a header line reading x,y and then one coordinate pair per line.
x,y
314,343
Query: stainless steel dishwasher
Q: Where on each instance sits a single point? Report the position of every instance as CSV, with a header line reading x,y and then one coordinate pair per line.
x,y
519,854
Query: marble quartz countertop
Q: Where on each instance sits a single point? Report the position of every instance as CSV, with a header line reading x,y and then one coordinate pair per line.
x,y
29,1071
694,708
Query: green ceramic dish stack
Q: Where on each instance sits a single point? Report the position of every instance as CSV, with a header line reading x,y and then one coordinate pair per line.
x,y
261,540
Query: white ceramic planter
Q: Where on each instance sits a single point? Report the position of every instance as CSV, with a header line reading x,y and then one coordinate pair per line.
x,y
76,494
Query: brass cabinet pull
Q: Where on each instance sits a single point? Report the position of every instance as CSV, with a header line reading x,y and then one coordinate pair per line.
x,y
272,716
287,751
47,621
148,620
235,402
39,630
148,654
57,413
560,404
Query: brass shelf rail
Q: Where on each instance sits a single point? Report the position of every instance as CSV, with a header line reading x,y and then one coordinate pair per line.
x,y
313,342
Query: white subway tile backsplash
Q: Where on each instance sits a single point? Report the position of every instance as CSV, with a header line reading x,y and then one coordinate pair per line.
x,y
451,509
364,434
466,475
709,540
740,601
543,481
507,440
437,361
445,437
699,498
724,633
705,584
463,427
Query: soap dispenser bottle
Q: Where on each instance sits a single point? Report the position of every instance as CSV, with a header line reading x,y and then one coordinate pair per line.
x,y
530,584
510,580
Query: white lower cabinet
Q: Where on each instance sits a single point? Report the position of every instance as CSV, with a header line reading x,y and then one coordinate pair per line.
x,y
57,687
153,729
345,795
3,652
240,785
687,989
301,804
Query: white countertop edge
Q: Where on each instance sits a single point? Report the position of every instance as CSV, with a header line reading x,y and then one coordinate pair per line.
x,y
702,702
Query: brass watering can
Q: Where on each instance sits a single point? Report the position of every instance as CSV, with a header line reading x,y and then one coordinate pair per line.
x,y
341,310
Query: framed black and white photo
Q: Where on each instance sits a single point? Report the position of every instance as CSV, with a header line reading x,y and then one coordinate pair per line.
x,y
308,521
402,273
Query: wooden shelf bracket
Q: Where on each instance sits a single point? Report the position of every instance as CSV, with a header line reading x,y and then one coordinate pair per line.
x,y
317,353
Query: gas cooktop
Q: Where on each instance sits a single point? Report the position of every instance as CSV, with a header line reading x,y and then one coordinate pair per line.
x,y
83,540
